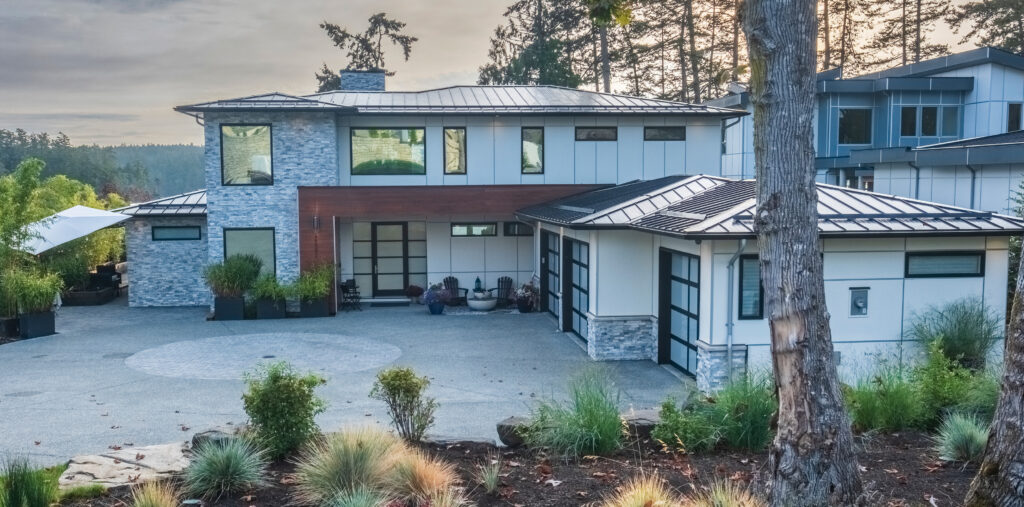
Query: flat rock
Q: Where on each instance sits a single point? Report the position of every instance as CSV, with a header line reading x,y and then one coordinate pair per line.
x,y
446,440
510,430
641,422
124,467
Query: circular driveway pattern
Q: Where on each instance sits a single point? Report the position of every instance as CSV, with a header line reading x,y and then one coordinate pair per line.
x,y
229,357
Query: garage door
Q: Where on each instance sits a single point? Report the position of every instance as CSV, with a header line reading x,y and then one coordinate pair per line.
x,y
679,307
578,279
551,264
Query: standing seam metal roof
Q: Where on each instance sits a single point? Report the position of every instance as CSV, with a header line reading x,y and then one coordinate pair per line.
x,y
187,204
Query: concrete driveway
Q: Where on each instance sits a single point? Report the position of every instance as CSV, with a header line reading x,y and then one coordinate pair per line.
x,y
115,375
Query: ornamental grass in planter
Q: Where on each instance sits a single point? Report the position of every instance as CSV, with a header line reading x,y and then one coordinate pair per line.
x,y
229,280
270,297
34,293
8,308
312,289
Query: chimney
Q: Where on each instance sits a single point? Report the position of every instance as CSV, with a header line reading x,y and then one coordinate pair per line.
x,y
362,80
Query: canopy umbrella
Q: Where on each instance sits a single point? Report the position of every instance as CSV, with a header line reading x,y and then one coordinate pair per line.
x,y
70,224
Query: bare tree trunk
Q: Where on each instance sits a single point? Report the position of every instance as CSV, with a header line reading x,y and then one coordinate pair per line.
x,y
692,36
844,34
606,69
812,459
903,29
1000,479
684,95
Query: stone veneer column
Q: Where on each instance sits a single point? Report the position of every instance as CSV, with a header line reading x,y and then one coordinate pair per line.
x,y
622,338
713,366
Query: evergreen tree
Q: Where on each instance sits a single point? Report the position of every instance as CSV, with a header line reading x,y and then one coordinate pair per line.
x,y
365,51
842,28
605,14
997,23
905,33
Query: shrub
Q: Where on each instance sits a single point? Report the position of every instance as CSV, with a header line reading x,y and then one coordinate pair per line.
x,y
267,287
961,437
234,276
982,395
225,467
689,429
33,291
588,424
24,486
965,330
743,412
942,383
346,462
403,392
72,269
489,474
643,491
155,494
8,296
361,497
416,477
724,494
450,497
889,402
314,284
283,407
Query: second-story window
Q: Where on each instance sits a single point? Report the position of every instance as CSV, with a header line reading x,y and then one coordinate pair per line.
x,y
950,121
597,133
533,150
388,151
667,134
908,121
455,150
1013,116
855,126
929,121
245,155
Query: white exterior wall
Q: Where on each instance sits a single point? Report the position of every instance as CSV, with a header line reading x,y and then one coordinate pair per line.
x,y
995,185
985,105
738,159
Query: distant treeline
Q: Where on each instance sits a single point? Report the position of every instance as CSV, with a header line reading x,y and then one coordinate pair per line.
x,y
136,172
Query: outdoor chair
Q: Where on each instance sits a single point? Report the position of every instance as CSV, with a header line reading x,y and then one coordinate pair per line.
x,y
458,295
350,297
503,292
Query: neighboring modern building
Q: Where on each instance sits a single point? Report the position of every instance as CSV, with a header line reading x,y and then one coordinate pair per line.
x,y
944,130
604,199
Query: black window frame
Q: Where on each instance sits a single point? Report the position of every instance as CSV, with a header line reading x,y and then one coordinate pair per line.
x,y
273,241
543,150
903,121
468,226
943,253
198,229
739,293
270,130
1014,120
510,228
870,131
613,128
681,128
444,150
351,152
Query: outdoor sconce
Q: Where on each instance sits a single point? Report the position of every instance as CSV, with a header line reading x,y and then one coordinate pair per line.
x,y
316,223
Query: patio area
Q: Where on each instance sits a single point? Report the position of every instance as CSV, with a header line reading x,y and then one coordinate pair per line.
x,y
117,376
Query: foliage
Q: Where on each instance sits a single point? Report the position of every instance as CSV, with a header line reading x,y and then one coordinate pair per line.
x,y
314,284
156,494
224,467
234,276
413,291
24,486
961,437
172,169
965,330
743,412
450,497
488,474
267,287
365,51
690,428
723,494
34,291
942,383
82,492
283,406
982,395
436,294
403,392
359,497
416,477
643,491
346,462
888,401
587,424
16,192
527,293
991,23
72,269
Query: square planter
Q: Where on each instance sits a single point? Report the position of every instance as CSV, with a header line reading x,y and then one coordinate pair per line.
x,y
32,325
269,309
228,308
89,297
9,327
316,308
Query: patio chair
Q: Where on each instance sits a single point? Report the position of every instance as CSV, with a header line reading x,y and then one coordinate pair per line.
x,y
503,292
350,297
458,296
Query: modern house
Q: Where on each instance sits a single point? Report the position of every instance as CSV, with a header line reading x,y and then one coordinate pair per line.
x,y
616,205
945,130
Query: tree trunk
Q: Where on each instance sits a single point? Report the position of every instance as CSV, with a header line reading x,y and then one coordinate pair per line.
x,y
828,37
684,95
688,15
736,40
1000,479
812,459
606,66
844,34
903,29
917,33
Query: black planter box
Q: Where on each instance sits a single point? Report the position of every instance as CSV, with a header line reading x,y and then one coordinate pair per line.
x,y
9,327
228,308
316,308
93,297
33,325
269,309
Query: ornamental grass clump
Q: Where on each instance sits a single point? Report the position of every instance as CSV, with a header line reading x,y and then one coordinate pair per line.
x,y
982,395
345,463
224,467
233,277
743,412
32,291
156,494
888,401
643,491
724,494
282,405
410,410
961,437
687,428
589,423
362,497
267,287
965,330
415,477
24,486
314,284
488,474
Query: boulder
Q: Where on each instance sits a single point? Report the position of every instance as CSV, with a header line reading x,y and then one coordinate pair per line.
x,y
510,431
216,435
446,440
641,422
125,467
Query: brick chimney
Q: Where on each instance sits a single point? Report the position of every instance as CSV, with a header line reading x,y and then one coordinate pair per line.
x,y
362,80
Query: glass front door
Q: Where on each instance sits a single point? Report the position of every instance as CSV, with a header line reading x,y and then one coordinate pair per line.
x,y
390,270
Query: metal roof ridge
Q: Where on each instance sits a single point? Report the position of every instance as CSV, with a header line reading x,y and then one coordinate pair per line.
x,y
723,216
647,195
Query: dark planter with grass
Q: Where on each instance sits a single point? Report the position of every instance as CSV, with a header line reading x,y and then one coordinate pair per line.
x,y
33,325
524,305
314,308
228,308
94,297
9,327
270,309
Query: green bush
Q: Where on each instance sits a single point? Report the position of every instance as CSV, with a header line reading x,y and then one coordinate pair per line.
x,y
982,395
314,284
346,463
743,412
72,269
690,428
8,296
282,406
24,486
224,467
889,401
267,287
33,291
588,424
402,391
942,383
233,277
965,330
961,437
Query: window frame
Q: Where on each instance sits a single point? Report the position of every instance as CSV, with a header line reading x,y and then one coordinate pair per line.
x,y
903,110
739,293
270,130
273,241
647,128
1019,117
351,152
468,226
956,121
935,121
871,125
944,253
614,128
444,150
505,228
198,228
543,150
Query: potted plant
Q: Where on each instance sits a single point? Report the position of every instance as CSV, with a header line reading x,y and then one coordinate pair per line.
x,y
414,293
526,298
435,298
478,290
8,307
312,289
229,280
81,288
35,293
270,297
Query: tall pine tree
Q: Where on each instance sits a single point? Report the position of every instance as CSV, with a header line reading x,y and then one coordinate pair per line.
x,y
997,23
905,35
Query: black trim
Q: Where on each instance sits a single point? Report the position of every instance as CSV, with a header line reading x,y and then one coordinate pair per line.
x,y
614,129
543,151
405,259
468,225
945,253
568,301
273,240
270,127
680,128
739,293
548,238
444,149
514,229
351,166
198,229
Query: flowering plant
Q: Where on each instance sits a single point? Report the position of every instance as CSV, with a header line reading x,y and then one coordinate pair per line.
x,y
436,294
414,291
527,293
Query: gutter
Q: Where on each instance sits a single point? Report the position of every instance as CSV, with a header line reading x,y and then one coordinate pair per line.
x,y
729,323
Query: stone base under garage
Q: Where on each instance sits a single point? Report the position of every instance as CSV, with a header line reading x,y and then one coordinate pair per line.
x,y
622,338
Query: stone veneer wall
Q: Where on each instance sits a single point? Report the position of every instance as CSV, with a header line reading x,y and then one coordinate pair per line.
x,y
622,338
304,153
713,366
165,273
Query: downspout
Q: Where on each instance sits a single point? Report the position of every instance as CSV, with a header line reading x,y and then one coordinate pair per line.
x,y
974,176
729,304
917,179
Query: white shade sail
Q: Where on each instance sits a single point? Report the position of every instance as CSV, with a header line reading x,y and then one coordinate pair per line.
x,y
70,224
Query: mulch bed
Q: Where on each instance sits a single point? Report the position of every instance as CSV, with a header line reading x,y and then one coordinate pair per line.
x,y
899,469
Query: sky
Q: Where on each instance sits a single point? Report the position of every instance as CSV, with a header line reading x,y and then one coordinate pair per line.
x,y
110,71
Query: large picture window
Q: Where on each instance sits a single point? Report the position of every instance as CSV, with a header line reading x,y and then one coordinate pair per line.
x,y
751,293
455,150
245,155
855,126
258,242
388,151
533,150
945,264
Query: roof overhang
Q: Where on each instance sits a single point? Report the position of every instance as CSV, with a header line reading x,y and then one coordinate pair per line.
x,y
895,84
941,156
